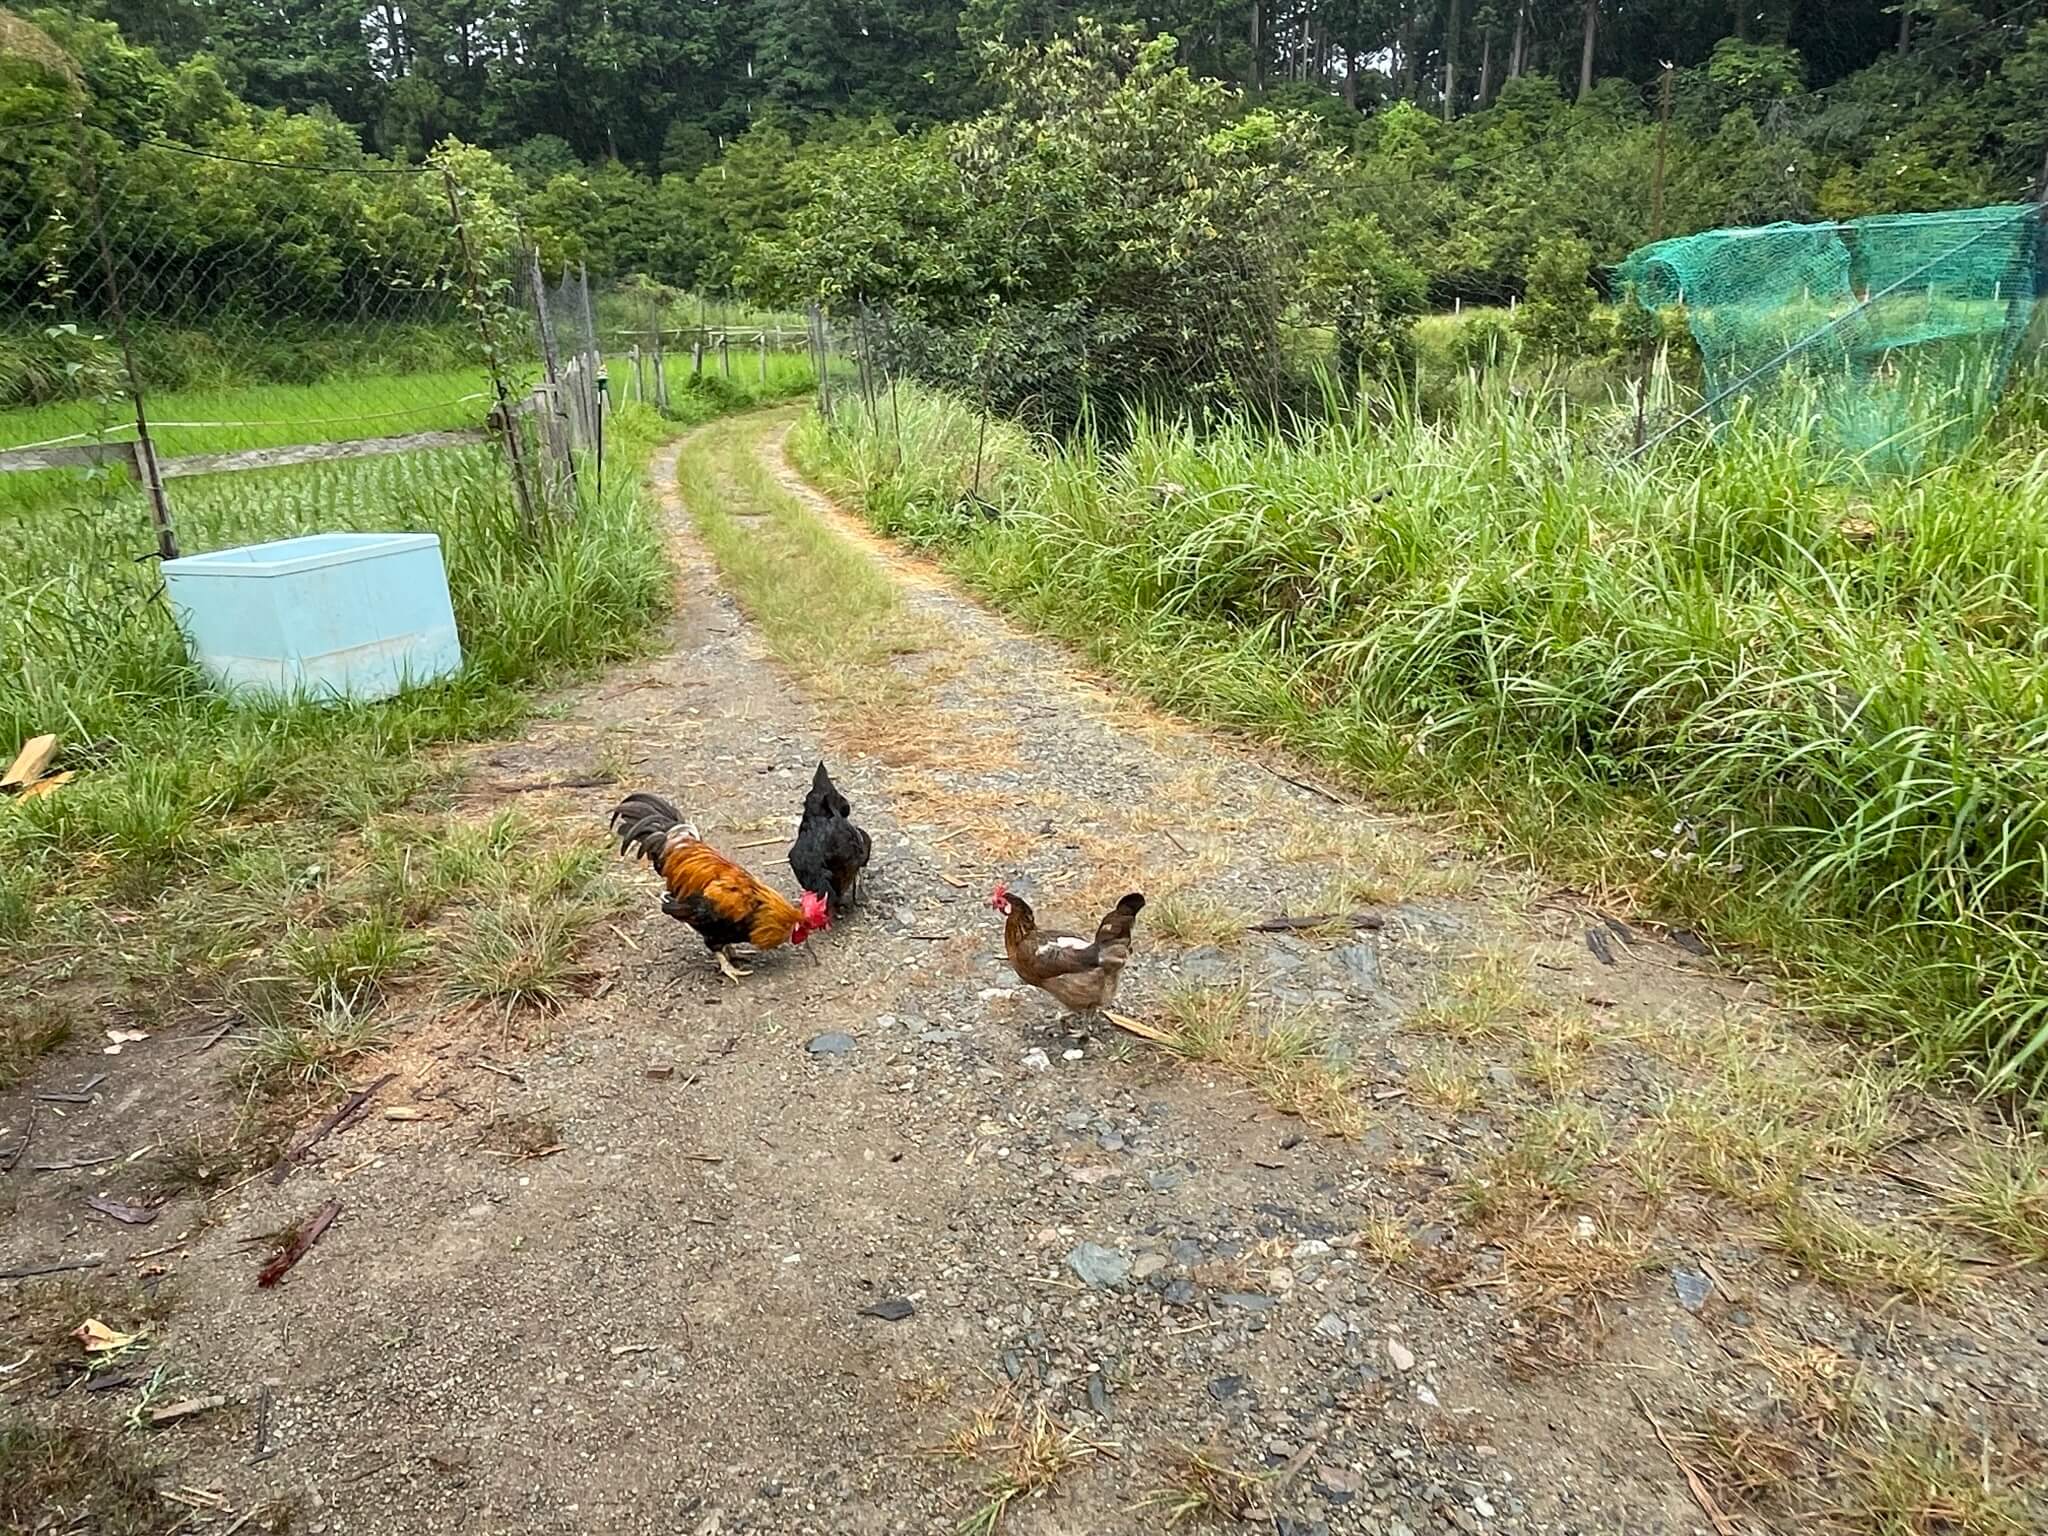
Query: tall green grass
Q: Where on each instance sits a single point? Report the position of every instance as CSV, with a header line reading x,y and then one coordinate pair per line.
x,y
1802,715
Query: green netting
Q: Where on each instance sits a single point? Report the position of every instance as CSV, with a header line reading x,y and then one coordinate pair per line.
x,y
1887,340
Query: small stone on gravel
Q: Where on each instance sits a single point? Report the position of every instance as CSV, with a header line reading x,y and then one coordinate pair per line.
x,y
1331,1326
834,1044
891,1309
1146,1265
1098,1395
1247,1301
1180,1294
1402,1356
1693,1288
1224,1388
1035,1060
1099,1266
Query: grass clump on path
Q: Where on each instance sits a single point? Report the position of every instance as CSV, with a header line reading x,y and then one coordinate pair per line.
x,y
1801,715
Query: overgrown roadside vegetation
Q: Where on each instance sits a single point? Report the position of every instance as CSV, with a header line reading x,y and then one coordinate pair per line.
x,y
287,866
1594,1139
1803,717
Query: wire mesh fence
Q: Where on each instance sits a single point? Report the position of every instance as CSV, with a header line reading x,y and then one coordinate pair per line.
x,y
174,312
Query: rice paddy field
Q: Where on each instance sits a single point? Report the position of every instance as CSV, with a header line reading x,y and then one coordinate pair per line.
x,y
1803,712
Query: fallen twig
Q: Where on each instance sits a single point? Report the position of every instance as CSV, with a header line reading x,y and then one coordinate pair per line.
x,y
13,1154
30,1271
1722,1524
530,786
501,1071
295,1247
214,1039
1136,1027
1372,922
73,1162
262,1422
1304,784
351,1106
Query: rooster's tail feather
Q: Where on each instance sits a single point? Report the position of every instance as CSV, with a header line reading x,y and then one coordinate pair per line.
x,y
643,822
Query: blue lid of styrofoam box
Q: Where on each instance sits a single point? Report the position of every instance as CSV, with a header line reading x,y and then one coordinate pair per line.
x,y
285,557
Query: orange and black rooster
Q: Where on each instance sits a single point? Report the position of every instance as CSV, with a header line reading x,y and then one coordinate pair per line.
x,y
1080,973
726,905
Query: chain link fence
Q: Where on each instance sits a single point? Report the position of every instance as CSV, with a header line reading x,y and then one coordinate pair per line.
x,y
173,311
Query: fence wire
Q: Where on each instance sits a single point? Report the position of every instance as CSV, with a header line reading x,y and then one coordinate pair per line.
x,y
177,311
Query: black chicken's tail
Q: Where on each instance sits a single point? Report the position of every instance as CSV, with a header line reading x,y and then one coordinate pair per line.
x,y
1115,927
643,822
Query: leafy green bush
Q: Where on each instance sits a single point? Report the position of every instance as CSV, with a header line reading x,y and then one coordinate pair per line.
x,y
1112,229
1373,295
1556,314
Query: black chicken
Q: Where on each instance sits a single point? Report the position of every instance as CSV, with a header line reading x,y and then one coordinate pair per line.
x,y
830,851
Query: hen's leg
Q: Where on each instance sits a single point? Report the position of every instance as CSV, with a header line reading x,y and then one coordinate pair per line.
x,y
732,972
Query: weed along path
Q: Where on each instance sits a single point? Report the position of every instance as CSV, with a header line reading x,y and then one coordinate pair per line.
x,y
1467,1209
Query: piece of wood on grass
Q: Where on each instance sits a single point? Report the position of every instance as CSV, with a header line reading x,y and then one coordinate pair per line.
x,y
28,764
185,1408
297,1243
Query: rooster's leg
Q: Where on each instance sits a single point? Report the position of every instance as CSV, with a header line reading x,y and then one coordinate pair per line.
x,y
732,972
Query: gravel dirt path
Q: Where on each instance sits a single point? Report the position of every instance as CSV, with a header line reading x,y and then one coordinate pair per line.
x,y
867,1244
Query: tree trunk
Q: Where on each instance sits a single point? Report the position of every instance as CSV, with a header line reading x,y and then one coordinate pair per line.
x,y
395,40
1586,53
1905,27
1517,52
1255,45
1742,20
1407,51
1452,18
1485,69
1351,77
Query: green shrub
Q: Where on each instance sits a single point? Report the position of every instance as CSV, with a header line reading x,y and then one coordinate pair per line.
x,y
1373,295
1555,316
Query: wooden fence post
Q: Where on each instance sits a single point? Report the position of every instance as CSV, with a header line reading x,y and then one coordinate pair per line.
x,y
725,355
639,376
764,355
697,354
556,421
660,360
145,447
